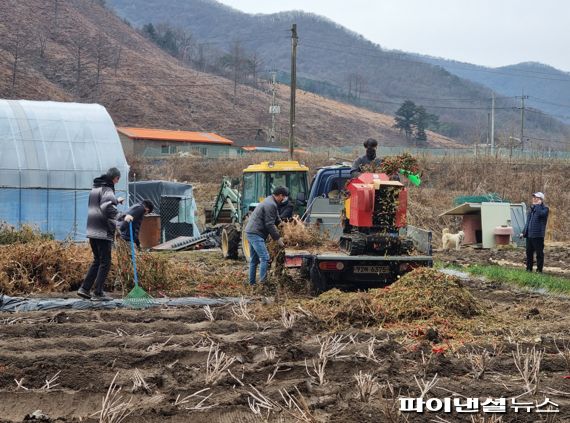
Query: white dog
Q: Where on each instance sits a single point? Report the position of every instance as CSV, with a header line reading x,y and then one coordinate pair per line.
x,y
452,240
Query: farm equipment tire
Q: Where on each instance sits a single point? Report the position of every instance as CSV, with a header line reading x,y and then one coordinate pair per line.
x,y
244,241
230,242
318,283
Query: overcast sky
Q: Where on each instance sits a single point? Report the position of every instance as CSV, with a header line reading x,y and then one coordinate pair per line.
x,y
484,32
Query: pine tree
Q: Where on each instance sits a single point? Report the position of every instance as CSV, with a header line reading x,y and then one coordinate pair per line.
x,y
149,31
405,118
421,121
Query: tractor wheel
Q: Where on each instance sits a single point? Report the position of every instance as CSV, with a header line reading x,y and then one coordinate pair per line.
x,y
318,282
230,242
245,242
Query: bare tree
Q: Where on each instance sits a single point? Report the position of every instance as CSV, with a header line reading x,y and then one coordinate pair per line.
x,y
255,64
79,52
42,45
185,44
117,58
236,63
102,60
356,85
18,47
55,17
201,60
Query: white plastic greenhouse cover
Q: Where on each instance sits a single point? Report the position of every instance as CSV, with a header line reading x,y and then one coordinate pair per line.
x,y
57,145
49,153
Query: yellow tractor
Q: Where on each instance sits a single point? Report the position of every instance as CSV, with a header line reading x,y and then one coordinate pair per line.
x,y
236,199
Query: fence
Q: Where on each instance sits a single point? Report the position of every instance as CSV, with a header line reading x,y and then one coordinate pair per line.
x,y
477,151
177,217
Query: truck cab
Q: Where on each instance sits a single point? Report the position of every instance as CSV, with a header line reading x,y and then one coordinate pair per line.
x,y
325,201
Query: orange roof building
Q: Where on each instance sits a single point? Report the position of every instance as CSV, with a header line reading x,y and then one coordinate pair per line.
x,y
149,142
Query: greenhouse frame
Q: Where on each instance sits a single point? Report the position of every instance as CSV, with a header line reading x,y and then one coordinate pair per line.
x,y
50,153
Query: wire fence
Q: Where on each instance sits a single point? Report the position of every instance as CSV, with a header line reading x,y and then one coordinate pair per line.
x,y
468,151
177,217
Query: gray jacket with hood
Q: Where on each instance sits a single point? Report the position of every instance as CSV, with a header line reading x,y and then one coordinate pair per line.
x,y
102,212
264,219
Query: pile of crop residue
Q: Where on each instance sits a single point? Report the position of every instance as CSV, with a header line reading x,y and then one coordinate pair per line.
x,y
296,234
419,295
391,165
42,266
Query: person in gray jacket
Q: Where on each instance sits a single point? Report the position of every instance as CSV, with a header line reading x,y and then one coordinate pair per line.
x,y
101,225
263,223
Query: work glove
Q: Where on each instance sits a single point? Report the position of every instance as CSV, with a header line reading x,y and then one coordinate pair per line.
x,y
281,243
521,236
129,218
120,200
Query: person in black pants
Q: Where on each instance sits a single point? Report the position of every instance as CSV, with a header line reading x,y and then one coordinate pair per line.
x,y
534,232
101,225
135,215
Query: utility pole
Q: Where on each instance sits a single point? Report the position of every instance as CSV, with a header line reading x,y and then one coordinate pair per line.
x,y
274,109
493,124
523,97
294,40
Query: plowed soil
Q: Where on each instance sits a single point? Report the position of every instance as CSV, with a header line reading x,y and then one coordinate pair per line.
x,y
170,348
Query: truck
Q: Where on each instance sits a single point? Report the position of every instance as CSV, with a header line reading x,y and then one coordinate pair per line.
x,y
367,217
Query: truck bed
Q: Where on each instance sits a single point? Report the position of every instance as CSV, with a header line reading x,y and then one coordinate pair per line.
x,y
294,258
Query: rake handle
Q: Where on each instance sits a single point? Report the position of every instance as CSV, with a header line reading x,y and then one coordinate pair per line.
x,y
133,256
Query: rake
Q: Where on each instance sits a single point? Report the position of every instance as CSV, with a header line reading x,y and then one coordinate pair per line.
x,y
138,297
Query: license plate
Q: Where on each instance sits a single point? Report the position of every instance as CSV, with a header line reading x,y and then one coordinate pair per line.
x,y
372,269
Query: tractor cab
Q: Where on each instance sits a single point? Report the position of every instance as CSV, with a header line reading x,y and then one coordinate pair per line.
x,y
233,205
259,181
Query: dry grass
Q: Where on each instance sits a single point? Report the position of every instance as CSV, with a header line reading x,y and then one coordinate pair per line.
x,y
217,363
528,364
42,266
53,266
366,386
156,273
114,408
27,233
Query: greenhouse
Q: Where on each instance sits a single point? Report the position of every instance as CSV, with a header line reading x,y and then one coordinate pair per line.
x,y
49,154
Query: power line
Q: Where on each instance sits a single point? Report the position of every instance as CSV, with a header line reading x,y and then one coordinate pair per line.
x,y
540,100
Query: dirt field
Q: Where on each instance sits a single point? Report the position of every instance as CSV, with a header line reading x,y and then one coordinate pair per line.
x,y
170,348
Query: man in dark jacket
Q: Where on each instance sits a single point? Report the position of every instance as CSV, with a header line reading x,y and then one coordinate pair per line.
x,y
101,226
262,223
534,232
135,215
286,210
370,157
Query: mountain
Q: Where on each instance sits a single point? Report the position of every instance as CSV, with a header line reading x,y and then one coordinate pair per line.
x,y
79,50
547,88
341,64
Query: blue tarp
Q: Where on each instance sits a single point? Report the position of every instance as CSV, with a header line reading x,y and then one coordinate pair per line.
x,y
20,304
